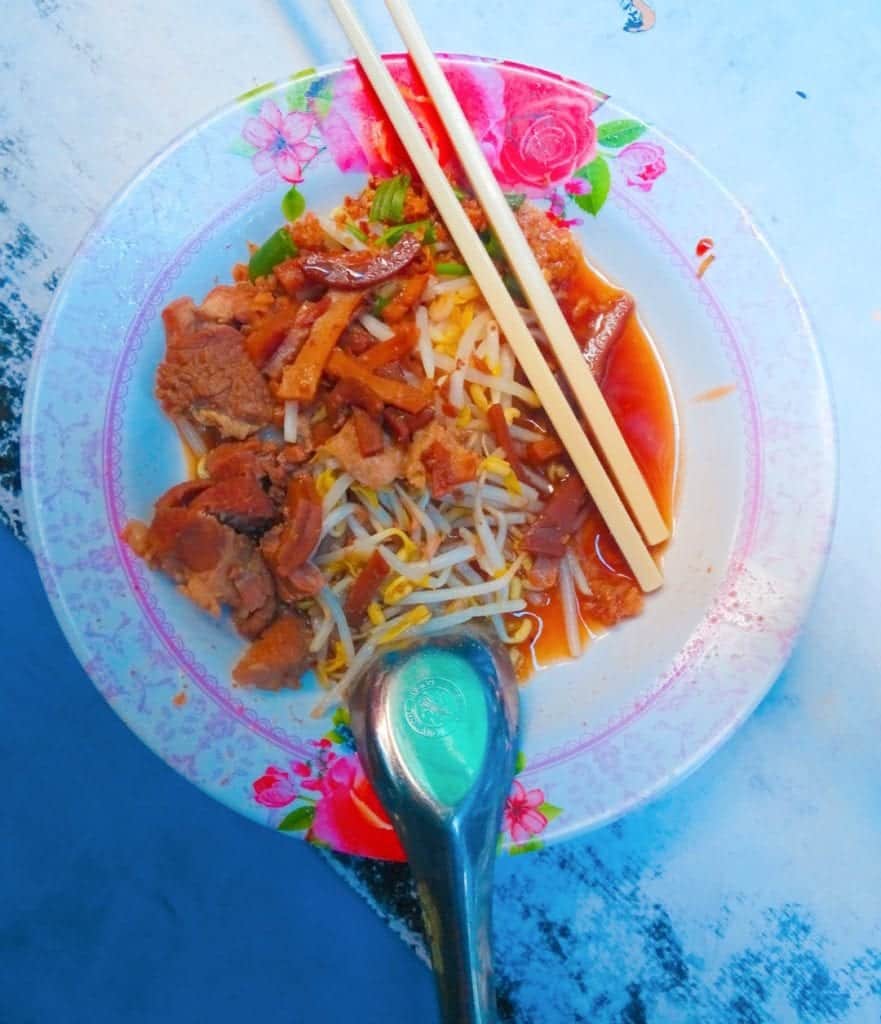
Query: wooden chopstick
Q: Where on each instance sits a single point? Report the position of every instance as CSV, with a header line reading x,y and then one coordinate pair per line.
x,y
607,435
497,297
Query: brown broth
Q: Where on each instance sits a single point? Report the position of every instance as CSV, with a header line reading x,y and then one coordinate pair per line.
x,y
638,393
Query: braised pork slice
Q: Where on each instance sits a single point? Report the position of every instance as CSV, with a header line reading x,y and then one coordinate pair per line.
x,y
207,376
212,564
277,658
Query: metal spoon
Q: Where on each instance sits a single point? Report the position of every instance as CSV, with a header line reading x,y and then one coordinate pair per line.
x,y
436,722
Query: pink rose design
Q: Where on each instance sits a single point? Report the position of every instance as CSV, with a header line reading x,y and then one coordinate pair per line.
x,y
359,135
275,788
548,134
280,140
522,818
643,163
346,127
480,90
349,816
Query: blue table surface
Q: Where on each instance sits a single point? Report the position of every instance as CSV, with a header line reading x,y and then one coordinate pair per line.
x,y
752,893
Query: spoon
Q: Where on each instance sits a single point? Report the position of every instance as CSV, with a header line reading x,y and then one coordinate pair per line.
x,y
435,722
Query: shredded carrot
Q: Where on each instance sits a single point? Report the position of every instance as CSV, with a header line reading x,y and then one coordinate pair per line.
x,y
393,392
301,378
268,333
502,433
403,342
410,293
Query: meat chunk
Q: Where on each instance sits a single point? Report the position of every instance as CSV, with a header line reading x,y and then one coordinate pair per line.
x,y
182,494
308,233
207,375
372,470
265,461
289,275
439,460
555,248
365,587
614,594
371,440
563,514
238,501
293,585
348,392
288,546
544,573
609,327
404,425
355,340
277,658
240,458
235,303
211,563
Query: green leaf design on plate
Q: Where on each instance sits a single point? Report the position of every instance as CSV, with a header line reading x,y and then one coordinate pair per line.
x,y
334,736
599,176
616,134
293,204
305,73
241,148
530,847
550,811
297,96
340,716
298,820
323,98
256,91
519,762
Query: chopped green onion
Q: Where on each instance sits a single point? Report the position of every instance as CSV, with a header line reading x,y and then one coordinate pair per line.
x,y
395,234
276,249
430,236
515,199
492,245
459,194
353,229
513,286
451,269
388,202
379,304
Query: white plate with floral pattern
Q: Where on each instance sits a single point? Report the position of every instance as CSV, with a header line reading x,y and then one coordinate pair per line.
x,y
649,700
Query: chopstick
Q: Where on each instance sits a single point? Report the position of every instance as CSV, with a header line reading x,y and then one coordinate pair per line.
x,y
597,414
563,419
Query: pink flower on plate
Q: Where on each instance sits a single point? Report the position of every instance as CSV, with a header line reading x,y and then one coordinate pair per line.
x,y
549,134
280,140
522,818
643,163
275,788
480,90
349,816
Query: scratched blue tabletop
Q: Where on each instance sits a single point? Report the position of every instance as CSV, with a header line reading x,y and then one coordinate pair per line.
x,y
751,893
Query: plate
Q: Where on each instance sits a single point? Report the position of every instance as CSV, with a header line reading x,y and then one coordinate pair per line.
x,y
649,700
